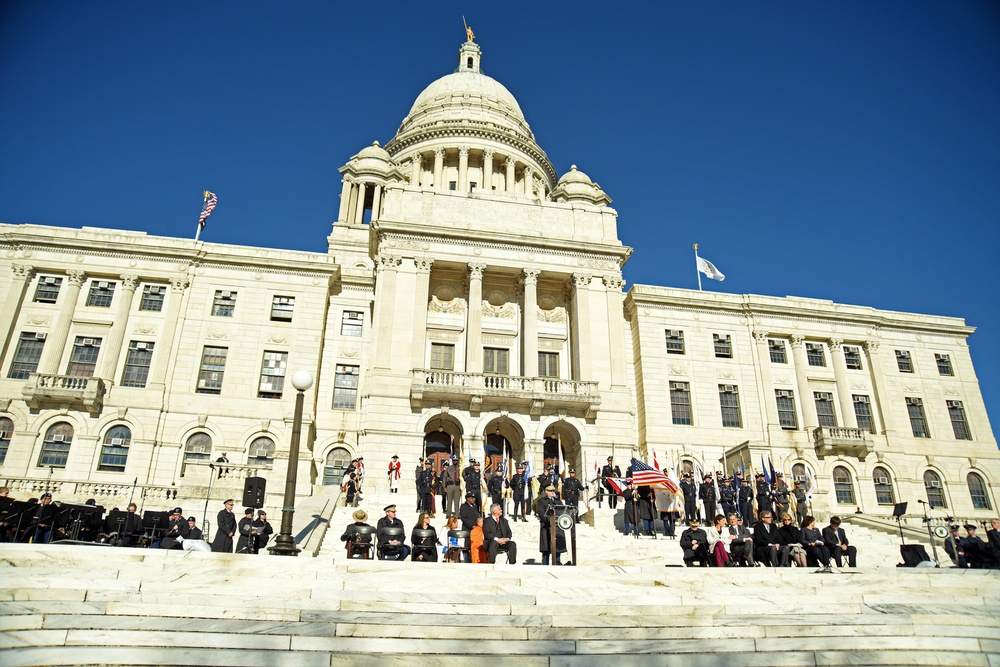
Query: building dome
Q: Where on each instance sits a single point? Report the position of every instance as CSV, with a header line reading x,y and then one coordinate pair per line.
x,y
576,186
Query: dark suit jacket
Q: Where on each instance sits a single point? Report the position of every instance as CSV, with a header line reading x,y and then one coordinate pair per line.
x,y
492,530
468,515
833,538
762,537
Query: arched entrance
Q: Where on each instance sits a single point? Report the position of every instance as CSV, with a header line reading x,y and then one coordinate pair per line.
x,y
562,443
442,440
504,441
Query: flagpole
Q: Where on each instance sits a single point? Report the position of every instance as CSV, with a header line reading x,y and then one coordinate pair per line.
x,y
197,231
696,269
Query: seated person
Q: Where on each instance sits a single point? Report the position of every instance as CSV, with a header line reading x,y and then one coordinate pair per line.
x,y
718,539
694,542
468,512
766,546
953,547
178,530
497,536
741,546
812,541
389,547
424,548
194,532
476,539
357,543
976,551
452,553
789,535
836,541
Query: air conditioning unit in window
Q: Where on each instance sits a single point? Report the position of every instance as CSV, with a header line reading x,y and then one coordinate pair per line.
x,y
934,484
800,478
913,401
954,404
729,388
117,441
784,393
102,284
49,281
673,333
225,294
40,336
58,437
141,346
884,481
202,384
678,385
88,342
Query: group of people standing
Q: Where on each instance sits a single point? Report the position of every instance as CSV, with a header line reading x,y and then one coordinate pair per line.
x,y
252,534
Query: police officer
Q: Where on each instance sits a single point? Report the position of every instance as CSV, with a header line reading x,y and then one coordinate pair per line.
x,y
519,489
473,484
610,470
727,496
745,500
706,491
425,485
690,492
572,487
763,495
494,486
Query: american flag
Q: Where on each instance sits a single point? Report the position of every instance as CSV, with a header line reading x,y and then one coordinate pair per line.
x,y
210,201
644,475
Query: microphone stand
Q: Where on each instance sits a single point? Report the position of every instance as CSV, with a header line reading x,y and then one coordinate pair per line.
x,y
132,495
204,514
930,535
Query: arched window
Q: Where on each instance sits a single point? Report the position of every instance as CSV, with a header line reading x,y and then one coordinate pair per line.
x,y
468,63
687,465
977,489
55,447
114,451
843,486
799,475
198,448
261,451
6,433
883,487
935,492
336,463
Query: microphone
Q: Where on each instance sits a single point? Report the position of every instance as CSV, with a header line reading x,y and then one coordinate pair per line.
x,y
211,466
921,502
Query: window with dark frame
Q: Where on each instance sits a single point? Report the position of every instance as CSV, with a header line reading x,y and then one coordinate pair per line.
x,y
495,360
785,400
152,298
29,351
826,414
137,362
47,290
843,485
213,367
852,358
102,293
815,355
883,487
777,350
680,404
352,323
904,362
934,490
272,375
729,402
282,308
548,364
723,346
918,420
675,341
83,361
55,446
959,424
114,449
863,412
6,435
261,451
224,303
943,362
977,492
442,357
345,388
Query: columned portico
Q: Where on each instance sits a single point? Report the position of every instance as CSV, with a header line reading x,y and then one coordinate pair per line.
x,y
474,321
529,278
849,419
809,418
56,342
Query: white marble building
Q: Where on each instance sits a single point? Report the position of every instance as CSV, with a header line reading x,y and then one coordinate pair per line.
x,y
469,297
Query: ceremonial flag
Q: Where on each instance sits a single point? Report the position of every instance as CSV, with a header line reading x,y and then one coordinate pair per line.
x,y
655,463
809,487
763,467
618,484
709,270
206,210
771,465
644,475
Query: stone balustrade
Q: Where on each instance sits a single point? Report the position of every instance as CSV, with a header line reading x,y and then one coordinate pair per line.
x,y
42,390
77,490
832,441
531,392
198,472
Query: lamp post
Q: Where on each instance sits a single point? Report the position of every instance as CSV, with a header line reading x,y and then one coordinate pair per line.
x,y
284,544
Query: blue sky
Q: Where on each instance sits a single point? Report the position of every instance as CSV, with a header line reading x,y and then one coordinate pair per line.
x,y
840,150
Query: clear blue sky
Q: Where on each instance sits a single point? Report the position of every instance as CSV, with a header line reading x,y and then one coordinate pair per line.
x,y
840,150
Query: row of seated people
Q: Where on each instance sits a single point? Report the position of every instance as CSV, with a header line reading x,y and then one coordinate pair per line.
x,y
971,551
727,542
387,540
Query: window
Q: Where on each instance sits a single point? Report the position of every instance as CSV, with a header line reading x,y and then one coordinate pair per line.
x,y
680,403
495,360
472,186
442,357
883,487
336,465
83,363
935,492
345,387
224,303
453,185
799,475
197,448
101,293
114,450
281,308
213,365
918,422
353,323
777,348
852,358
272,375
47,290
843,486
152,298
55,446
137,361
723,346
729,400
977,490
958,422
944,364
815,355
29,351
785,398
548,364
261,451
825,413
904,362
675,341
6,434
863,413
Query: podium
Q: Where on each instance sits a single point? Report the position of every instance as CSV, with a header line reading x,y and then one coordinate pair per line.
x,y
561,518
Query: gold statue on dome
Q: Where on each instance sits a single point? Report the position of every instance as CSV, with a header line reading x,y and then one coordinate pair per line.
x,y
468,31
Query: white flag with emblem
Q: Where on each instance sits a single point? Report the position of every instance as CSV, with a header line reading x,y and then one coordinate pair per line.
x,y
709,269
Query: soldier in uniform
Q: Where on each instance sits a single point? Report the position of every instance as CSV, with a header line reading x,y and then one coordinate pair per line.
x,y
395,469
690,492
44,520
225,528
178,530
764,495
425,486
473,484
519,489
706,491
781,495
452,485
610,470
545,527
243,544
394,548
572,487
194,532
727,496
744,499
495,488
549,478
801,503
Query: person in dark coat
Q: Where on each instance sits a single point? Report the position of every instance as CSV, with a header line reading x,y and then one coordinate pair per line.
x,y
519,489
225,529
782,495
424,548
767,547
389,547
425,487
764,495
630,501
261,531
646,512
473,484
244,545
355,542
132,528
727,497
178,530
572,488
194,532
744,499
953,547
706,491
694,542
44,520
812,542
495,487
690,492
610,470
836,541
545,527
451,483
468,513
497,535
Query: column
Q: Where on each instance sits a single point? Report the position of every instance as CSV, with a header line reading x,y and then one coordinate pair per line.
x,y
806,401
881,397
580,326
376,202
463,169
613,290
352,203
385,295
847,416
509,182
165,341
112,347
439,169
488,170
474,323
529,367
359,210
424,266
12,303
416,166
345,200
766,381
529,177
56,341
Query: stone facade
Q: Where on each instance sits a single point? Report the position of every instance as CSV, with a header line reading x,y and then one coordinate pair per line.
x,y
468,299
